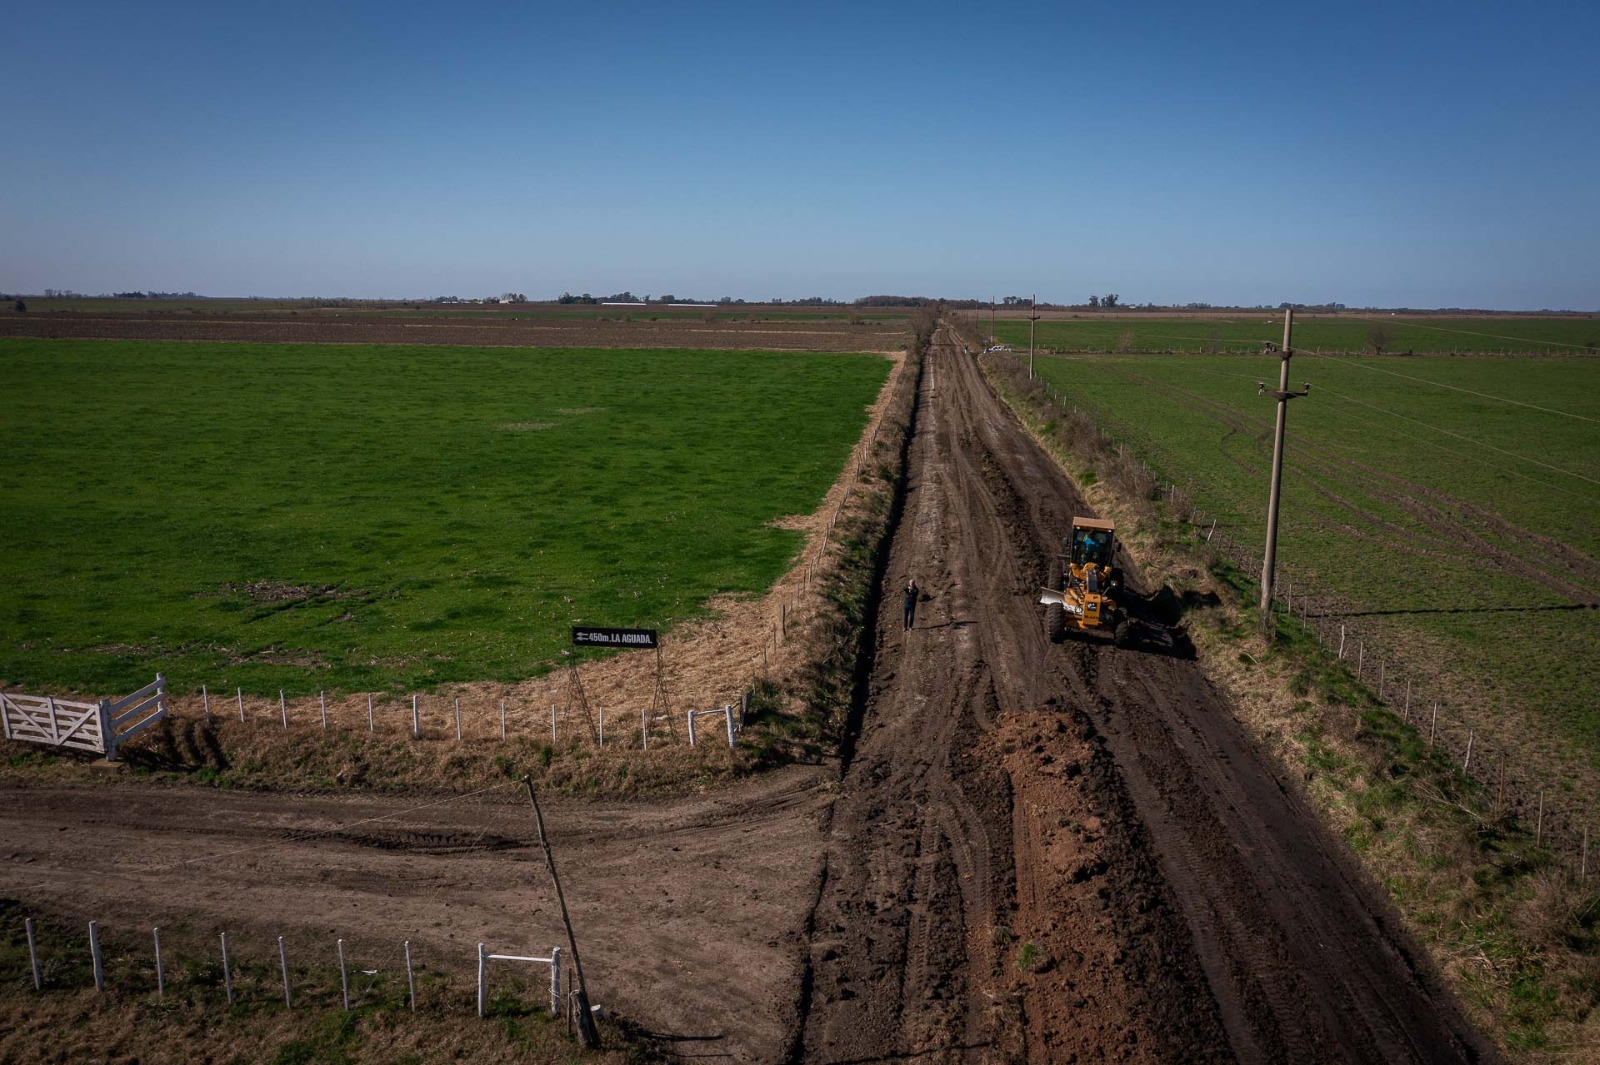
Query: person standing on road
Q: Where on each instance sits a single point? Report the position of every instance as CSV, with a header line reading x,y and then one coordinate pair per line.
x,y
911,595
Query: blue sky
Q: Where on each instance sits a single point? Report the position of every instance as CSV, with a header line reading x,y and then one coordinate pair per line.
x,y
1420,154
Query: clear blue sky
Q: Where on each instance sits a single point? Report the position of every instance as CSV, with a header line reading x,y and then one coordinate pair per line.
x,y
1417,154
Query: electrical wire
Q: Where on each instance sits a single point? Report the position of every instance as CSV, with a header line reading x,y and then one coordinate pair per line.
x,y
1453,388
1464,332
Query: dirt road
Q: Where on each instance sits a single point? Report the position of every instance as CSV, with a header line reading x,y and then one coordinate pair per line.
x,y
1036,852
1249,937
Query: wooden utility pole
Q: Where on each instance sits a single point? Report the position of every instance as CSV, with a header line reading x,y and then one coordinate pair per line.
x,y
1269,564
1033,318
588,1034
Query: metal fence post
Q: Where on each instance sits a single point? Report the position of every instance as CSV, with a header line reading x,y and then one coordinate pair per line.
x,y
94,952
483,979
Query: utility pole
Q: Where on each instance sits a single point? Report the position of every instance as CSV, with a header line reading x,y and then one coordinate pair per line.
x,y
1269,564
1033,318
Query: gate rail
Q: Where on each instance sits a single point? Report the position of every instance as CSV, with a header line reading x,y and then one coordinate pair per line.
x,y
99,727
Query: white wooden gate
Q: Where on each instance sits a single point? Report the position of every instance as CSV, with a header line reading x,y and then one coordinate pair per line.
x,y
99,727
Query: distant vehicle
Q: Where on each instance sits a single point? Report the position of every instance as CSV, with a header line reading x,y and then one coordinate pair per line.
x,y
995,348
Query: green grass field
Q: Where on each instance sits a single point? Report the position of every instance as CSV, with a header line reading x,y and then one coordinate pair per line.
x,y
1467,524
373,518
1246,333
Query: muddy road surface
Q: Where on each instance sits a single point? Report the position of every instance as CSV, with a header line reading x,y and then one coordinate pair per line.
x,y
1074,852
1036,852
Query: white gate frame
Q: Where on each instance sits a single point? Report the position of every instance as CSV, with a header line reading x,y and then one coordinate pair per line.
x,y
554,961
726,712
96,727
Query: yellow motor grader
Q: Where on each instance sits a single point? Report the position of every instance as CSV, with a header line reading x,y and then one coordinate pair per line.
x,y
1086,586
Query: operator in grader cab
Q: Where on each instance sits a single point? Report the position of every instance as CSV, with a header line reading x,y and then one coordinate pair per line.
x,y
1085,585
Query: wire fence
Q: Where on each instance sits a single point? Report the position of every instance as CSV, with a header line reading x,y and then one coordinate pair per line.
x,y
1558,814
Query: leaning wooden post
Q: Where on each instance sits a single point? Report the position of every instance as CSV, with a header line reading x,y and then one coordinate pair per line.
x,y
205,700
588,1034
411,981
1433,727
1341,643
728,713
1466,763
416,721
555,982
644,727
94,953
238,693
161,976
1405,714
458,719
33,955
369,713
283,707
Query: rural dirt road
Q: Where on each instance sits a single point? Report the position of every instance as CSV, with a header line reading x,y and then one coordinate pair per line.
x,y
1036,852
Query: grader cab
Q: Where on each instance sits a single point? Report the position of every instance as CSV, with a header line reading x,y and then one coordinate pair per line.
x,y
1086,586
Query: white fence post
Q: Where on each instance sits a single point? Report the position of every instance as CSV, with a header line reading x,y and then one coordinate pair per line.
x,y
283,963
344,978
502,721
555,982
690,716
161,977
369,713
94,952
205,700
416,721
322,700
728,712
602,726
552,724
458,719
238,693
644,726
483,979
283,708
227,974
411,980
108,733
33,955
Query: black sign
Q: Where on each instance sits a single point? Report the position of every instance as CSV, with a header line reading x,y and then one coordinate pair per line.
x,y
599,637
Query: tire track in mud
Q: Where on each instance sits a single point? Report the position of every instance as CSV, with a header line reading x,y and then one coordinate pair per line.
x,y
1178,901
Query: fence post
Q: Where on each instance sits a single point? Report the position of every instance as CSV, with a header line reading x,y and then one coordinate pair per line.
x,y
411,981
344,978
552,724
227,975
502,721
205,700
94,952
284,708
644,726
1583,859
458,719
555,982
727,712
161,976
1538,824
602,724
33,955
1361,656
1467,762
322,700
283,963
1433,727
1406,713
416,721
369,713
1341,642
238,693
690,716
483,979
108,735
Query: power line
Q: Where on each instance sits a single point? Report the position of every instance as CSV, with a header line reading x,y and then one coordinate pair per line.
x,y
1463,332
1458,436
1455,388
